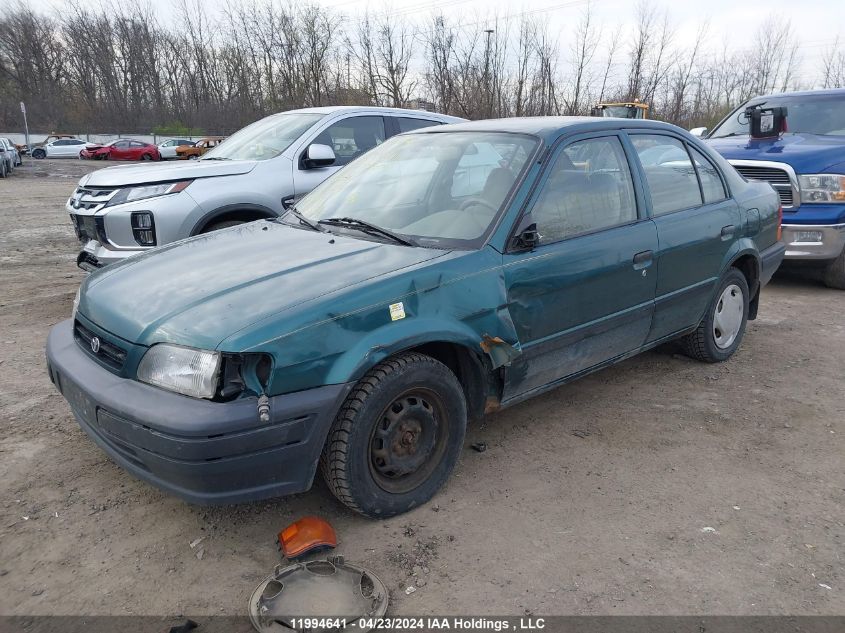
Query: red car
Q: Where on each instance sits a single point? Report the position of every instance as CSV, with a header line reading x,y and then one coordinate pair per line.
x,y
121,149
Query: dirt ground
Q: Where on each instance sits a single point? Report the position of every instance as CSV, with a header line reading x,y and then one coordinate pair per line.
x,y
659,486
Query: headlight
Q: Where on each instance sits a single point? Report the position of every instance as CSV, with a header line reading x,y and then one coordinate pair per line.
x,y
130,194
192,372
75,304
822,188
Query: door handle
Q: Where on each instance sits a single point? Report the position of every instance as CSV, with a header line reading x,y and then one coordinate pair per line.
x,y
643,259
728,231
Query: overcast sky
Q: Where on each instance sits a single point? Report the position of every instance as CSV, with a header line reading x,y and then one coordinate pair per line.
x,y
816,23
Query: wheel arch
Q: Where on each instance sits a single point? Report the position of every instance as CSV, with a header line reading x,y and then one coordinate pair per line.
x,y
247,212
457,346
747,261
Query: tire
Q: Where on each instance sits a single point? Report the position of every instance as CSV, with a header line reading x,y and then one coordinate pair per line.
x,y
146,156
3,169
225,224
834,274
39,154
715,340
410,402
193,157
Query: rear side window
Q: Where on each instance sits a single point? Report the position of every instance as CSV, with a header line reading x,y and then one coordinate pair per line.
x,y
711,183
669,171
406,124
589,188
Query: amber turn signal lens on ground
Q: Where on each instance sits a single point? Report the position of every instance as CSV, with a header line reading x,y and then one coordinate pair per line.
x,y
306,535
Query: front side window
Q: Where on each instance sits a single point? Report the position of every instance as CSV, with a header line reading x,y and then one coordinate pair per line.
x,y
266,138
588,188
406,185
352,137
669,172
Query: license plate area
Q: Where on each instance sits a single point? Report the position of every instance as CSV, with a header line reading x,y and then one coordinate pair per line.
x,y
78,400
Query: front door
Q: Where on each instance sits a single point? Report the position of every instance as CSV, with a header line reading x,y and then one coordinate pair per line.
x,y
585,294
697,224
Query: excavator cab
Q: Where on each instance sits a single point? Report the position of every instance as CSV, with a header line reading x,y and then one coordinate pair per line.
x,y
622,110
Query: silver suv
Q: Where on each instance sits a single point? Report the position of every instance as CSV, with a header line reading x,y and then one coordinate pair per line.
x,y
256,173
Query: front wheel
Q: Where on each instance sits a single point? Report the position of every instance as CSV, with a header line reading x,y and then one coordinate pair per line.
x,y
193,157
834,273
146,156
39,154
720,332
397,436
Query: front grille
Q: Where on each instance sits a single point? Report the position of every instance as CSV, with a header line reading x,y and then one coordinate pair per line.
x,y
89,227
777,178
91,198
108,354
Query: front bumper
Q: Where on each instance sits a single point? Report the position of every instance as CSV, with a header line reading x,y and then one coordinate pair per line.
x,y
204,452
827,243
94,255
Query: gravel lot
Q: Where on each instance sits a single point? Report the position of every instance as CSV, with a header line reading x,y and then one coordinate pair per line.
x,y
592,499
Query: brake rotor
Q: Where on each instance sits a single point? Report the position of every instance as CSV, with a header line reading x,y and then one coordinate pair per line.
x,y
329,590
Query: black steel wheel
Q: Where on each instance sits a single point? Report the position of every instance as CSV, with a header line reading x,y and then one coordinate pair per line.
x,y
397,436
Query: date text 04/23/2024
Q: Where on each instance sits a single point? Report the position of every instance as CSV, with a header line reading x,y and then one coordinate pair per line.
x,y
455,623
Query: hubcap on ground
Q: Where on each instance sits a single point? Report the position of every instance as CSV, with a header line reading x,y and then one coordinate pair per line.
x,y
408,441
727,319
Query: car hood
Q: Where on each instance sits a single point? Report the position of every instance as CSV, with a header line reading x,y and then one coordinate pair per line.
x,y
806,153
200,291
122,175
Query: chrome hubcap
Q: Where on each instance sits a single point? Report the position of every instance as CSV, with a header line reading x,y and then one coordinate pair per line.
x,y
727,319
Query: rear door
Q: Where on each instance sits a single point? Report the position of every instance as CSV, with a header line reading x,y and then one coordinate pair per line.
x,y
697,224
585,294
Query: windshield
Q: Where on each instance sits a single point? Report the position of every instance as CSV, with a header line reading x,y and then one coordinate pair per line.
x,y
264,139
805,115
439,189
623,112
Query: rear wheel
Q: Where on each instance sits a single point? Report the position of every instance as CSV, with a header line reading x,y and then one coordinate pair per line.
x,y
397,436
2,169
834,274
720,332
193,157
146,156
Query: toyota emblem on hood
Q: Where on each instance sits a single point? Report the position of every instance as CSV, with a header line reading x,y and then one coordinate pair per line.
x,y
95,344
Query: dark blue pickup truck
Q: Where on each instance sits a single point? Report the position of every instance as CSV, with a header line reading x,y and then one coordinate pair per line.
x,y
805,163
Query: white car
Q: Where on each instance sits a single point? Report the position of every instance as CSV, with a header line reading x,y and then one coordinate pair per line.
x,y
9,157
61,148
168,148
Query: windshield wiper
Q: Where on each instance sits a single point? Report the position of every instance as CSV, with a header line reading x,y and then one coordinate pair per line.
x,y
305,221
366,227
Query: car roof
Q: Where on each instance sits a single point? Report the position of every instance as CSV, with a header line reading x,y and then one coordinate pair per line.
x,y
550,127
830,92
376,110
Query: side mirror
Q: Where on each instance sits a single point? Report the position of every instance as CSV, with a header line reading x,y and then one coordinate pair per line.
x,y
527,237
698,131
319,156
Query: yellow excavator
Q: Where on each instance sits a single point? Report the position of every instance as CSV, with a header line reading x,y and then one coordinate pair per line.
x,y
623,110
